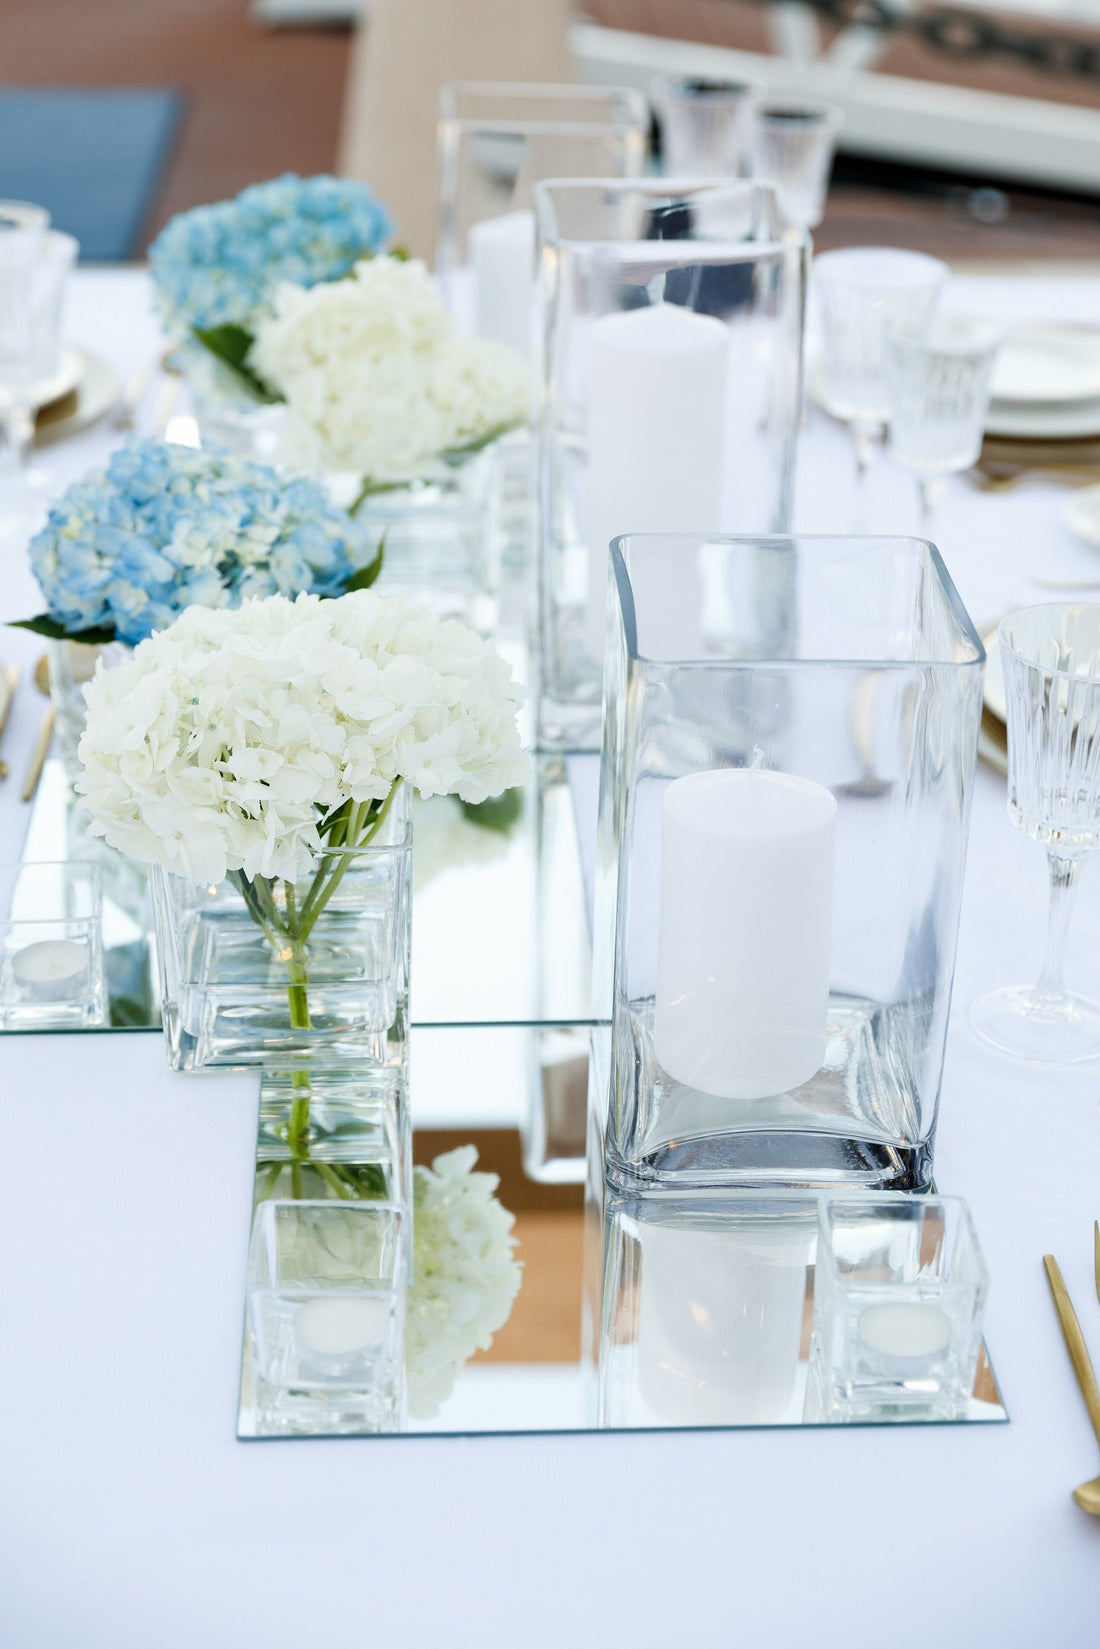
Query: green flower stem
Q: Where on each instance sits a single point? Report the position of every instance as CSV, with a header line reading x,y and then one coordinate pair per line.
x,y
287,931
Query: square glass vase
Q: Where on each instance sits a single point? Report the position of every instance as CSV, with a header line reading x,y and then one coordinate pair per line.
x,y
899,1292
671,323
231,998
789,745
326,1316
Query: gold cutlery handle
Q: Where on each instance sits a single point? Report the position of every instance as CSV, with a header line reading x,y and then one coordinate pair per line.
x,y
1075,1341
38,754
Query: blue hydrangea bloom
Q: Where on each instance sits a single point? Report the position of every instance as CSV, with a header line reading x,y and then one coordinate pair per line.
x,y
221,263
165,527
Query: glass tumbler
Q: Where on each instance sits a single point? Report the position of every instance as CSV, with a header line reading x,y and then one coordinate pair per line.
x,y
792,149
34,265
704,126
1051,658
938,382
866,293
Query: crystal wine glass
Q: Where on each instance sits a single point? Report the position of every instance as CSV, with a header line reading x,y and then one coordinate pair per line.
x,y
938,381
704,126
865,293
1051,657
792,147
34,264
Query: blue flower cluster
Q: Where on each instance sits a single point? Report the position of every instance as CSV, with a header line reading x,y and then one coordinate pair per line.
x,y
219,264
165,527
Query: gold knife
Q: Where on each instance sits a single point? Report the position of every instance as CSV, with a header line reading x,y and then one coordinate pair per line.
x,y
1087,1495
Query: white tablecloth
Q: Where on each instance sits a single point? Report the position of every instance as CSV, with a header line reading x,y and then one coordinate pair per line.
x,y
130,1517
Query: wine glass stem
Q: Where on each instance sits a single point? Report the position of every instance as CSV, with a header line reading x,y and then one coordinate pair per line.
x,y
1064,874
18,428
931,491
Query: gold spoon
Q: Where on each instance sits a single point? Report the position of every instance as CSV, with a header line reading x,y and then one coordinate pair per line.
x,y
10,681
1087,1495
45,731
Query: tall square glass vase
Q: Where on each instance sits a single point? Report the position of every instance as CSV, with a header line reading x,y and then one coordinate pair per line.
x,y
789,746
671,381
276,975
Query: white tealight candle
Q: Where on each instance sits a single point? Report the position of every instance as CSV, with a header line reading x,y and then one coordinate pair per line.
x,y
746,895
339,1327
502,252
51,969
656,433
908,1333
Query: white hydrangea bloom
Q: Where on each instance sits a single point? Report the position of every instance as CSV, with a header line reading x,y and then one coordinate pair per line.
x,y
224,740
376,379
464,1275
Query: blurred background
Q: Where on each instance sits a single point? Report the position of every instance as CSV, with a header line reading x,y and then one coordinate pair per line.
x,y
969,133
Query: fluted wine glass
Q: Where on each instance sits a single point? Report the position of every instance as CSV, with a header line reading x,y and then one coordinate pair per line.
x,y
704,126
938,381
1051,657
865,293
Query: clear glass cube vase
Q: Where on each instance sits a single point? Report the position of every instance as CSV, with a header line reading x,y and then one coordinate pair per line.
x,y
671,324
789,744
239,988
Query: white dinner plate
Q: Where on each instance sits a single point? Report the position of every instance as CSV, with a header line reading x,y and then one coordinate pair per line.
x,y
1041,365
1057,421
1081,514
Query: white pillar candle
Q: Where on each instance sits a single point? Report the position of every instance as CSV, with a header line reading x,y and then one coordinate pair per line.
x,y
656,433
906,1333
52,969
720,1316
502,253
340,1327
746,894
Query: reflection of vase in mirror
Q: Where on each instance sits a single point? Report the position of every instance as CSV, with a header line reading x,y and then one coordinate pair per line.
x,y
709,1327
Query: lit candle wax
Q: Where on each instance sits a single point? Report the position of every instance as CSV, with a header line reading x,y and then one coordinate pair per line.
x,y
906,1333
656,433
746,895
52,969
334,1329
502,252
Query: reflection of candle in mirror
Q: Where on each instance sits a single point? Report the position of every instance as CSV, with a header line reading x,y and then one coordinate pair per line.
x,y
52,969
341,1326
502,252
656,433
746,895
906,1333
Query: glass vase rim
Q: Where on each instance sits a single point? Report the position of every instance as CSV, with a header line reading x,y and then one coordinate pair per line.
x,y
882,1206
676,190
621,575
1091,679
584,91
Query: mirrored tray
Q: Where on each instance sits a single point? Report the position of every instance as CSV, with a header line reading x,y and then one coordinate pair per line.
x,y
631,1316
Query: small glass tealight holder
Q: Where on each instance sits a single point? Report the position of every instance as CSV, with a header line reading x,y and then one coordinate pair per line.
x,y
51,947
326,1316
899,1290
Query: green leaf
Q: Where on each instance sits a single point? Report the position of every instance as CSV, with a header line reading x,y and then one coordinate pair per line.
x,y
365,577
370,489
454,456
497,813
231,344
44,625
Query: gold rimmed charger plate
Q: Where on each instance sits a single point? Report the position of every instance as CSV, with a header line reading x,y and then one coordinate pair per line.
x,y
94,393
